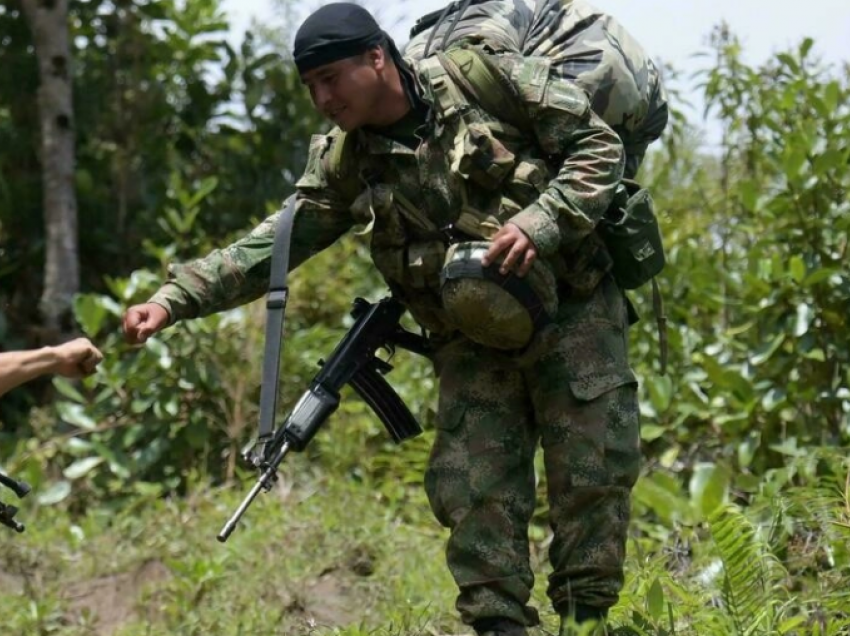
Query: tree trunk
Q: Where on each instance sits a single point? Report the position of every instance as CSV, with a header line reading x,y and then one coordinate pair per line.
x,y
48,21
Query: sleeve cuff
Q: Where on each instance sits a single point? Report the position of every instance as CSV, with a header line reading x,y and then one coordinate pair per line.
x,y
540,228
175,301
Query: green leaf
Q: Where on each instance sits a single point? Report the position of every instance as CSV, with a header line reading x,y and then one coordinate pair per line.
x,y
750,191
804,319
655,600
815,354
75,414
265,60
819,275
78,446
747,579
89,313
792,623
82,467
160,349
793,158
709,487
660,493
207,186
797,268
766,351
660,389
119,463
747,449
788,447
832,95
651,432
773,398
790,62
55,493
66,388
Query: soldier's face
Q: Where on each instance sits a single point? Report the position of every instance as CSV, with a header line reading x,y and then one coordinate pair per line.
x,y
347,91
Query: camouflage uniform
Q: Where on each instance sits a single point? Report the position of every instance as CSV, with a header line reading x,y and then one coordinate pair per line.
x,y
571,388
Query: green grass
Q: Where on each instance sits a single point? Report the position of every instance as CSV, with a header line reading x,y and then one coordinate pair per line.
x,y
329,552
329,558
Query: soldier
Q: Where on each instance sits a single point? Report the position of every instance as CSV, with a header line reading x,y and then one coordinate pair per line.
x,y
485,229
73,359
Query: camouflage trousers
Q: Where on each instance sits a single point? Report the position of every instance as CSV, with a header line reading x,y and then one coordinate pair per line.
x,y
572,392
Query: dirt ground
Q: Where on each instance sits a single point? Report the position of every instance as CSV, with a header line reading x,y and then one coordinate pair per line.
x,y
109,602
114,600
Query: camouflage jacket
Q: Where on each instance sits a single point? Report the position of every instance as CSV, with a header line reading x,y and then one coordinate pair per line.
x,y
555,185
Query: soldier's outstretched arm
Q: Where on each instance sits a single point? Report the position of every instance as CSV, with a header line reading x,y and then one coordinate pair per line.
x,y
590,152
239,273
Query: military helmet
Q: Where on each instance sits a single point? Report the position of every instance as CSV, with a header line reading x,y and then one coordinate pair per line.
x,y
502,311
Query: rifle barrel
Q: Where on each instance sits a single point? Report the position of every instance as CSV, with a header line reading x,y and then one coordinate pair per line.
x,y
263,483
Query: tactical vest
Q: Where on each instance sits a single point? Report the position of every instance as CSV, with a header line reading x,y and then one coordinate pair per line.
x,y
496,170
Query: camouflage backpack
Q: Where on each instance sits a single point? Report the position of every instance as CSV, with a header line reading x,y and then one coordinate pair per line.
x,y
584,45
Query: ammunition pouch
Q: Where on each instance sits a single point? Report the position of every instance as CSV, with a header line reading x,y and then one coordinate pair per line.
x,y
631,234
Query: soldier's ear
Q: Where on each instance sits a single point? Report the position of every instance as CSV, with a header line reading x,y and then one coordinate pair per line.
x,y
377,58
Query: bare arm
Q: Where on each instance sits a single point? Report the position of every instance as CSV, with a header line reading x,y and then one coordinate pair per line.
x,y
73,359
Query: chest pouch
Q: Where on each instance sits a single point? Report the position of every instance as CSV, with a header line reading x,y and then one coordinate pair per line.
x,y
480,157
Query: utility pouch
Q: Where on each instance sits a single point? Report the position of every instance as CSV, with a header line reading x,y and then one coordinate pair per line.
x,y
631,234
481,158
424,262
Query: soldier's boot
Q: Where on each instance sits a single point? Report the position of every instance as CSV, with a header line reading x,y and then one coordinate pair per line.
x,y
499,627
584,621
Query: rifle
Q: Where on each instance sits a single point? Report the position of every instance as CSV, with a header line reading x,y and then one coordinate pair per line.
x,y
8,512
353,361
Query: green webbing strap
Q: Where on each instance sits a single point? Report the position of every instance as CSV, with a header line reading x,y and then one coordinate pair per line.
x,y
435,17
474,73
341,176
275,309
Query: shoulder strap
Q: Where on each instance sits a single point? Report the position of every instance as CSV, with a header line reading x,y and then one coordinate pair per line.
x,y
275,312
341,165
481,80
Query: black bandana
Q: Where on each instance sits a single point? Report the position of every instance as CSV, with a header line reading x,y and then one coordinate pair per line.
x,y
335,32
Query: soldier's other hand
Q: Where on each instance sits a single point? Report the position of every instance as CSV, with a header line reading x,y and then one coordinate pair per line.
x,y
142,321
76,358
520,249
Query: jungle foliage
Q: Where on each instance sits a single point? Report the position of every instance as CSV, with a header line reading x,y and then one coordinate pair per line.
x,y
742,514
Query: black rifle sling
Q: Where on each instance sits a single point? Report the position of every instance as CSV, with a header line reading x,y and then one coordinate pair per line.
x,y
275,310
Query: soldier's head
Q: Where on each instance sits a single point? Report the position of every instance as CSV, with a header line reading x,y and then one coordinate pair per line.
x,y
347,62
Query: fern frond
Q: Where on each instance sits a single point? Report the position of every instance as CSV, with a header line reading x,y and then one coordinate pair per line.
x,y
748,577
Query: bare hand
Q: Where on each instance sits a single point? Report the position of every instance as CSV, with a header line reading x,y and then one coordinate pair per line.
x,y
520,248
76,358
142,321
